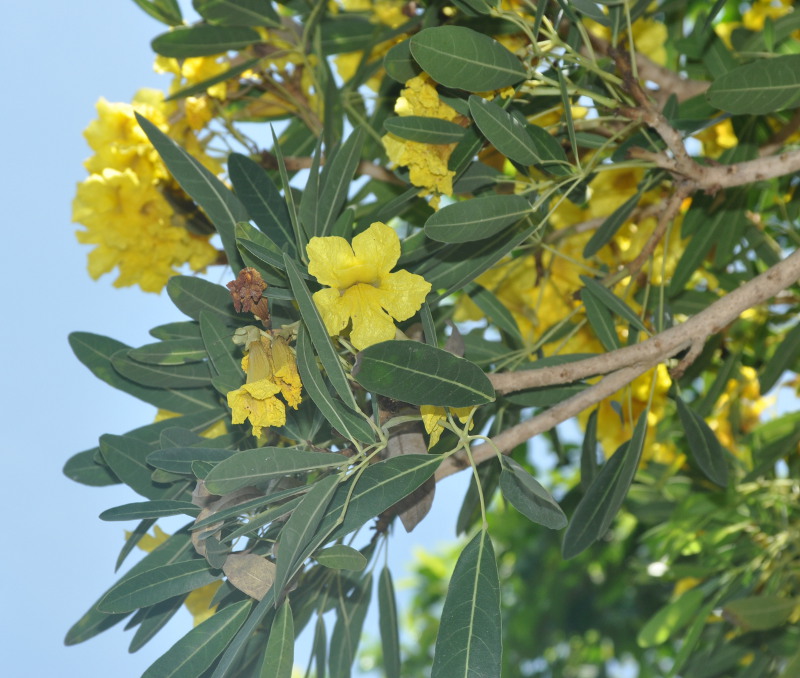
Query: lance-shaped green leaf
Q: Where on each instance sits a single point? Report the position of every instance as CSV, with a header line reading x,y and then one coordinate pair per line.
x,y
551,156
166,11
89,468
346,422
598,507
319,335
176,548
172,352
196,651
613,303
611,225
469,642
527,495
154,618
424,130
420,374
545,396
399,63
184,42
193,295
504,131
251,467
260,613
301,528
279,655
183,329
476,219
218,202
237,12
263,200
190,375
600,319
153,586
341,557
225,356
351,610
786,355
759,613
150,509
670,619
95,351
465,59
704,446
496,312
180,459
387,622
589,464
763,86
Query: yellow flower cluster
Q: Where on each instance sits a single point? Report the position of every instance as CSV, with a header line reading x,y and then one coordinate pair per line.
x,y
427,163
271,369
360,288
126,203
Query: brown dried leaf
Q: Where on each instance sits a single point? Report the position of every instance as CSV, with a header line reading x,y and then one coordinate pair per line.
x,y
249,573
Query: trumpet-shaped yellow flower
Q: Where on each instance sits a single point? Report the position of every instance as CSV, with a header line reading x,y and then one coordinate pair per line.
x,y
271,369
434,417
360,287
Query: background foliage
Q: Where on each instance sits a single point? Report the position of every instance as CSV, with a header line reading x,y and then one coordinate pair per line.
x,y
596,206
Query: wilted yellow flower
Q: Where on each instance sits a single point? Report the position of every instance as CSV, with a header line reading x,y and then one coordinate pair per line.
x,y
427,163
434,417
271,369
360,286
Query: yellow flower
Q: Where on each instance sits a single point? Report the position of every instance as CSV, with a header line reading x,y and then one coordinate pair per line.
x,y
717,138
434,417
271,369
360,287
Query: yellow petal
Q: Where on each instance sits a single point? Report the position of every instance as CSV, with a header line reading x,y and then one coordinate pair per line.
x,y
327,258
332,309
371,324
378,247
402,293
432,418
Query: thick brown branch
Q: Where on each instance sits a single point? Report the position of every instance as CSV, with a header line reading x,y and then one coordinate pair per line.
x,y
669,342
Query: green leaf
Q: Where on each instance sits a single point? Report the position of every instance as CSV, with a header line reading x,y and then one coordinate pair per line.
x,y
504,131
424,130
184,329
225,356
243,635
528,496
464,59
760,87
166,12
279,655
598,507
180,459
704,446
193,295
610,226
189,375
613,303
387,622
786,355
172,352
219,203
589,465
184,42
150,509
469,642
176,548
420,374
545,396
237,12
262,199
551,156
154,619
95,351
670,619
301,527
251,467
351,610
335,181
760,613
341,557
319,335
496,312
600,319
196,651
399,63
153,586
348,424
85,468
476,219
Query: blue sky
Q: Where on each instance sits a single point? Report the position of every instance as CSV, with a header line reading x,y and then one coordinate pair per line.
x,y
57,557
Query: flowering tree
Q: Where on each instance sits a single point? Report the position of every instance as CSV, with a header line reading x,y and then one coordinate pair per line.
x,y
449,228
